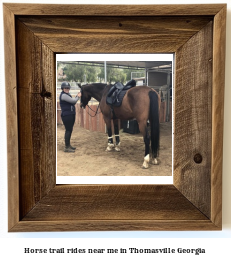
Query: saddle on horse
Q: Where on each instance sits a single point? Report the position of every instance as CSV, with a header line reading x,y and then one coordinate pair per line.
x,y
117,92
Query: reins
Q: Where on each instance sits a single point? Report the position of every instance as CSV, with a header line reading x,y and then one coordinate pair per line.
x,y
96,112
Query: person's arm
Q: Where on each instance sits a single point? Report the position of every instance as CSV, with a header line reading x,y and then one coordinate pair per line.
x,y
69,99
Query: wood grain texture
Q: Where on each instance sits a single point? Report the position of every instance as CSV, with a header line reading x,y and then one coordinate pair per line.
x,y
36,118
193,126
194,201
114,10
218,114
11,117
114,225
115,34
108,202
108,207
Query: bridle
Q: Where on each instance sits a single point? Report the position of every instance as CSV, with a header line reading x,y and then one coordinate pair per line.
x,y
96,112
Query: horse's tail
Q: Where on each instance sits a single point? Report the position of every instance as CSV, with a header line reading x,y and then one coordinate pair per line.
x,y
154,123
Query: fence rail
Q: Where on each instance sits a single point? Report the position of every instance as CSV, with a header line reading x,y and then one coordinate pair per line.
x,y
96,123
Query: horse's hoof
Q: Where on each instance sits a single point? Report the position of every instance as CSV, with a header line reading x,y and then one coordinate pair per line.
x,y
155,162
146,161
110,147
117,148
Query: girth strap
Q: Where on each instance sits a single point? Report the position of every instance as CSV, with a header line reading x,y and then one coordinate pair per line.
x,y
113,113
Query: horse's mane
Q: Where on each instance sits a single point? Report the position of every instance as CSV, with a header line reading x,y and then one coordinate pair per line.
x,y
98,85
95,83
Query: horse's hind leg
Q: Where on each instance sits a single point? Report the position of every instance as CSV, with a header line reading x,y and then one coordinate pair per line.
x,y
117,136
146,154
146,136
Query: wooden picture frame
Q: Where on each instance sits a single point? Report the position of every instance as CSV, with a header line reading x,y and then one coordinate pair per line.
x,y
33,34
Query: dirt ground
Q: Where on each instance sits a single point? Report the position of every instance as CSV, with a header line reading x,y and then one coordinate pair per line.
x,y
91,159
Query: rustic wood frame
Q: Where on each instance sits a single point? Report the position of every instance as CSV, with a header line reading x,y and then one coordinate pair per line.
x,y
33,34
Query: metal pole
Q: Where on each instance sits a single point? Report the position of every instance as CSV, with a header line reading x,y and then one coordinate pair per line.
x,y
105,71
168,97
146,76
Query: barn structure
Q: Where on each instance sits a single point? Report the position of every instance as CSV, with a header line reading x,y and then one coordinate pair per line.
x,y
158,75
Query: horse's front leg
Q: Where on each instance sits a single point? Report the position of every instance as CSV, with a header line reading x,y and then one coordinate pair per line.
x,y
117,136
110,144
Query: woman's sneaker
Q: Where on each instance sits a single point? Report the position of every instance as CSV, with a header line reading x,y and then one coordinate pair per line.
x,y
69,149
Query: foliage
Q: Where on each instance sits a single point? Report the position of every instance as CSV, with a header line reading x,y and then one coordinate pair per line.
x,y
88,73
115,75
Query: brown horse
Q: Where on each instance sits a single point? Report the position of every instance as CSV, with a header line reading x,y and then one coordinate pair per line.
x,y
140,102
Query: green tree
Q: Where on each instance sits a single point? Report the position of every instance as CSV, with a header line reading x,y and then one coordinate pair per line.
x,y
81,73
115,75
74,72
101,74
91,73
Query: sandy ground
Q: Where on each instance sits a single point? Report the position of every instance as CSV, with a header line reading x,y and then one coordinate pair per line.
x,y
91,159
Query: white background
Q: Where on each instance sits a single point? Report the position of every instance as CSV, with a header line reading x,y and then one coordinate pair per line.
x,y
216,244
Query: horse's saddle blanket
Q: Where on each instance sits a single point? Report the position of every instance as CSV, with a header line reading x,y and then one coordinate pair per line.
x,y
117,91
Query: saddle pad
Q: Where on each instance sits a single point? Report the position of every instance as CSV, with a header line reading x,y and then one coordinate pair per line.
x,y
117,92
119,98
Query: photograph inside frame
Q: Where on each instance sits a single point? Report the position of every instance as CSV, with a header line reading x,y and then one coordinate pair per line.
x,y
114,118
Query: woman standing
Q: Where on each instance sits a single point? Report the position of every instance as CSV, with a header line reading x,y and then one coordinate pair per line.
x,y
67,104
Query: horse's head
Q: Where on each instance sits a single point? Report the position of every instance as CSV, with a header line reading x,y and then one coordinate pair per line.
x,y
85,96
